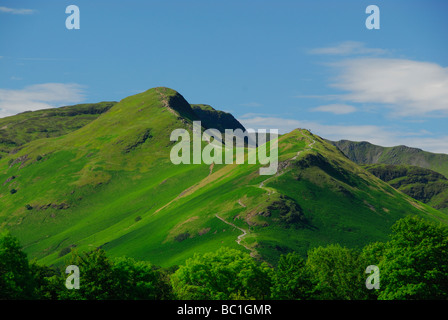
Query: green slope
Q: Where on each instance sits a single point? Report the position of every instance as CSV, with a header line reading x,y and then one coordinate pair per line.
x,y
111,184
17,130
367,153
425,185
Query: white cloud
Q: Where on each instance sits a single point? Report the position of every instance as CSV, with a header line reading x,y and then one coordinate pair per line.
x,y
379,135
16,11
39,96
335,108
408,87
348,48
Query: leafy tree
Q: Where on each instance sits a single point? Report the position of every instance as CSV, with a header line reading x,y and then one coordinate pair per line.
x,y
414,263
338,273
49,282
96,277
292,279
140,280
16,280
224,274
122,278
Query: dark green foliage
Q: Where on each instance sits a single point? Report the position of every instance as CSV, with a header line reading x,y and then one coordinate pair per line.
x,y
414,264
96,277
28,207
122,278
224,274
16,280
338,273
48,282
12,191
292,279
140,280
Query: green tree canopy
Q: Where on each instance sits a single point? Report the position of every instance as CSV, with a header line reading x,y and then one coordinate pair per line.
x,y
292,279
224,274
414,264
16,280
121,278
339,273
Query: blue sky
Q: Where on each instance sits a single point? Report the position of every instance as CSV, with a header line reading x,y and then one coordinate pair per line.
x,y
272,64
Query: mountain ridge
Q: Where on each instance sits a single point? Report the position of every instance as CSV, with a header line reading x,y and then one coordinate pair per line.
x,y
111,184
367,153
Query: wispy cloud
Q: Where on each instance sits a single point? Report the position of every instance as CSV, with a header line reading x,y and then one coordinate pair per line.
x,y
335,108
16,11
348,48
380,135
408,87
39,96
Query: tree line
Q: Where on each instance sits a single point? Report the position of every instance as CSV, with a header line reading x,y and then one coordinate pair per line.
x,y
413,264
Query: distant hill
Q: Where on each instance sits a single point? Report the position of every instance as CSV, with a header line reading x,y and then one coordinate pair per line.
x,y
27,126
425,185
367,153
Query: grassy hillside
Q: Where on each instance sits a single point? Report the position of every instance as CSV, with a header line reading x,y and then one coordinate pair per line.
x,y
111,184
367,153
422,184
17,130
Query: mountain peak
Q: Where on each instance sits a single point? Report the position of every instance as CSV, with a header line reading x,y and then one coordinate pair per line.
x,y
170,99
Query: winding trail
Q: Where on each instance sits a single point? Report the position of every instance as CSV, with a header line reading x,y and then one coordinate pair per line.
x,y
269,191
240,237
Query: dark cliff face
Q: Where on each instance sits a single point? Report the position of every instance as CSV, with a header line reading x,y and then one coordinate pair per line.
x,y
220,120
